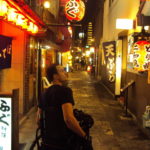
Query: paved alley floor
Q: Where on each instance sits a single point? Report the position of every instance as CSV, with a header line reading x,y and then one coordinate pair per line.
x,y
110,131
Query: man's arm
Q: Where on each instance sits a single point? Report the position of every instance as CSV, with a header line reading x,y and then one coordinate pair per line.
x,y
71,121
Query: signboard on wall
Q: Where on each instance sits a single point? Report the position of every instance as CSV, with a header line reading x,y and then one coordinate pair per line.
x,y
110,59
5,52
5,123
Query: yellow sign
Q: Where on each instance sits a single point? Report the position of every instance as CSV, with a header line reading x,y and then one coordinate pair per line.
x,y
16,17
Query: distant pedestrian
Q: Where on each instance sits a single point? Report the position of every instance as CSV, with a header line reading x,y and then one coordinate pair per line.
x,y
56,109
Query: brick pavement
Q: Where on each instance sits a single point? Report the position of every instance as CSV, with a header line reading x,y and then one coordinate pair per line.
x,y
109,132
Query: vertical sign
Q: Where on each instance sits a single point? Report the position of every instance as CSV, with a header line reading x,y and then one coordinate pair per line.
x,y
5,123
110,59
5,51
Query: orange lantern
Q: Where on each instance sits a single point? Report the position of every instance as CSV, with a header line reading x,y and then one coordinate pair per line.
x,y
75,10
141,55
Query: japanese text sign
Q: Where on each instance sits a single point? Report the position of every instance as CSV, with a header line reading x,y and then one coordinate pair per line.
x,y
110,57
75,10
14,15
5,52
141,55
5,123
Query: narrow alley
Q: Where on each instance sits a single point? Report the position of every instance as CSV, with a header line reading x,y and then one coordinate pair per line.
x,y
109,132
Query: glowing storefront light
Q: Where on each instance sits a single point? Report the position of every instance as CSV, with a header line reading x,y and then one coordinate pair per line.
x,y
12,14
87,53
124,24
92,49
20,20
3,8
118,67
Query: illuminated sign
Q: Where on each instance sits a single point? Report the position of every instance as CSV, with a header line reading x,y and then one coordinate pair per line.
x,y
15,16
141,55
5,123
124,24
75,10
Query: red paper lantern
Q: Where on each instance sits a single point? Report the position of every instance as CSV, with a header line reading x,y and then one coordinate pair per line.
x,y
141,55
74,10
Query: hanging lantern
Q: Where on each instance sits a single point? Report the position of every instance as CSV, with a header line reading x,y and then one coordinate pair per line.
x,y
75,10
141,55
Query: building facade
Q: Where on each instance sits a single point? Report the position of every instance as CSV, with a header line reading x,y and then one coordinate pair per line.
x,y
117,55
23,31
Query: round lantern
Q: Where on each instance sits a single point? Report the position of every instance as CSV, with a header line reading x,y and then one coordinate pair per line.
x,y
74,10
141,55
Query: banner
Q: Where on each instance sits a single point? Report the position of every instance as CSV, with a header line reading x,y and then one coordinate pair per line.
x,y
110,59
5,52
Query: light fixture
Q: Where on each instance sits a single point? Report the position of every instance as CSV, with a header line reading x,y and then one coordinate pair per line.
x,y
87,53
46,4
124,24
92,49
118,67
81,35
46,47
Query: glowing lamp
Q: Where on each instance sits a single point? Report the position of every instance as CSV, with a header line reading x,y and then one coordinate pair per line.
x,y
46,4
87,53
124,24
20,20
30,28
12,15
89,68
81,35
35,29
92,49
141,55
25,24
3,8
74,10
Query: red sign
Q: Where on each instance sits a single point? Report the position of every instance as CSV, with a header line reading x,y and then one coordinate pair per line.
x,y
141,55
75,10
12,13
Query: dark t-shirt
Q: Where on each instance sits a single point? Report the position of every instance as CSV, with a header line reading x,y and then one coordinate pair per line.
x,y
55,129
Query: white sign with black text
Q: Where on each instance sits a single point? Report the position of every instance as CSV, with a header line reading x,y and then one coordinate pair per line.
x,y
5,123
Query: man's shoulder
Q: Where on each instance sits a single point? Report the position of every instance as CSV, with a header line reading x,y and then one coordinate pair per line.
x,y
67,88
